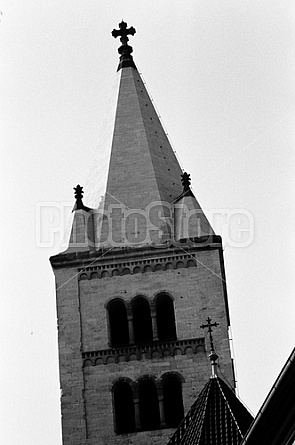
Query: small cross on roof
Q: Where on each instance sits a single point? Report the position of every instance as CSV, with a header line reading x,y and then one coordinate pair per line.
x,y
210,325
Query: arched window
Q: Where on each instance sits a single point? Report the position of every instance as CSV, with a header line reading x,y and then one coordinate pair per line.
x,y
124,408
118,323
142,322
148,405
172,398
165,317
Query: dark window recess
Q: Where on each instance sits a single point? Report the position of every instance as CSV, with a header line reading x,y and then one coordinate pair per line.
x,y
173,405
142,322
124,408
165,318
118,323
148,405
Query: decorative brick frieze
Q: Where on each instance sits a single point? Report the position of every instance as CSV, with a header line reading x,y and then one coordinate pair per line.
x,y
139,266
144,351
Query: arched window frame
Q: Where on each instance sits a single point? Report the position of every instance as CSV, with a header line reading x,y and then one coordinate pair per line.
x,y
158,391
132,304
152,304
177,404
159,385
158,321
116,383
109,327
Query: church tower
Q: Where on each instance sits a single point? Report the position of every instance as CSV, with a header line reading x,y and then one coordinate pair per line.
x,y
140,276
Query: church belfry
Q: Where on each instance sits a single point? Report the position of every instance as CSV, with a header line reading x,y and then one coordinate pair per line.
x,y
140,276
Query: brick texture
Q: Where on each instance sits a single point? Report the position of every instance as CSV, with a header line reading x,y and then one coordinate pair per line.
x,y
87,408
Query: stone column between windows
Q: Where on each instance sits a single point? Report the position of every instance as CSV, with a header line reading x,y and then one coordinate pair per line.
x,y
130,325
161,406
137,412
154,322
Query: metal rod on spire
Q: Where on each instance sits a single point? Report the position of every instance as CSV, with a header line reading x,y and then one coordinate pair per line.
x,y
210,325
212,356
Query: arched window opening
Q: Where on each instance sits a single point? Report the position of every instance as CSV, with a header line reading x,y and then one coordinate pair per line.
x,y
118,323
172,398
165,318
148,405
142,321
124,408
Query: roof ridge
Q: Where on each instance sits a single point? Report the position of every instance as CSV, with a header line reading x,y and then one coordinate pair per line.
x,y
217,416
227,403
148,134
205,405
183,428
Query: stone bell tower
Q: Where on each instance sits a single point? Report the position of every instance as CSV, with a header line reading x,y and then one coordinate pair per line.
x,y
140,276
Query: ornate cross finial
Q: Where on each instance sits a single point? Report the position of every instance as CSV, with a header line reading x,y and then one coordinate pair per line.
x,y
123,32
212,356
78,196
210,325
186,180
125,50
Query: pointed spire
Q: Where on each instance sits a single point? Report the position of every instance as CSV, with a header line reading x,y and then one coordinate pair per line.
x,y
125,50
144,202
144,173
82,232
217,416
189,219
212,356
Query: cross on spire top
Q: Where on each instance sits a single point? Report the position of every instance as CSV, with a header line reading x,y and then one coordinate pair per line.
x,y
210,325
123,32
125,50
212,356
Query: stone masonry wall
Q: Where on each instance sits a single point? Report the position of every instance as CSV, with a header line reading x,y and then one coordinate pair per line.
x,y
83,327
70,368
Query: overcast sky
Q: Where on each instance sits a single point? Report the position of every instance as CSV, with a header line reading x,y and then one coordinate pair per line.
x,y
221,74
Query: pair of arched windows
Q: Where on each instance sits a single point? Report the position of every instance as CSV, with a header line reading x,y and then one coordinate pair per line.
x,y
140,321
145,405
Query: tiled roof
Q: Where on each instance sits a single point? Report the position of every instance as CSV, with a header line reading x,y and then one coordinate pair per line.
x,y
275,421
216,418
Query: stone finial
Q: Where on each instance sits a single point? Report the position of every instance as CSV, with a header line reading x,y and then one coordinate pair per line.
x,y
124,50
186,181
78,196
79,192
